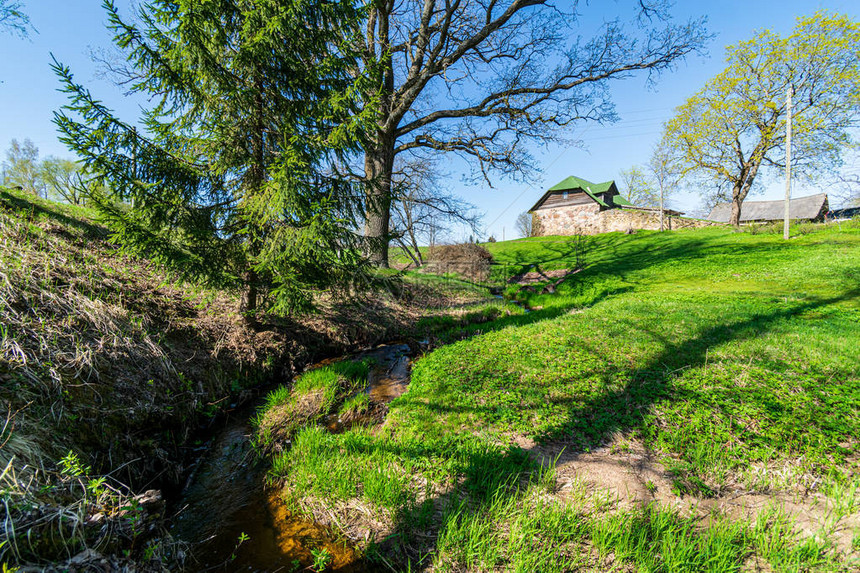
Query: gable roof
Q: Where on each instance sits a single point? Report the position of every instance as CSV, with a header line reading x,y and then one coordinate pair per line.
x,y
572,183
578,184
800,208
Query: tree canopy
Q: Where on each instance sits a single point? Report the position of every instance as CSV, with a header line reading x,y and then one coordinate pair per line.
x,y
638,187
13,18
227,180
21,168
482,79
724,134
423,209
525,225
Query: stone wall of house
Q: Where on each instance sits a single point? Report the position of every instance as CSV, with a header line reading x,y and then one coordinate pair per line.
x,y
567,220
590,220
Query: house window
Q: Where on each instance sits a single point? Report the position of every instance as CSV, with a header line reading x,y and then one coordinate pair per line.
x,y
564,195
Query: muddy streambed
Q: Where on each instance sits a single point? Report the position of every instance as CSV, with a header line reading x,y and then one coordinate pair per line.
x,y
227,499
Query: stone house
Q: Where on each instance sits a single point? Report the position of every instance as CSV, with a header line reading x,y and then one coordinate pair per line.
x,y
577,206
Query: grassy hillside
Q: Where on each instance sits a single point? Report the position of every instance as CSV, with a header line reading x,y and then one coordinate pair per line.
x,y
689,401
110,374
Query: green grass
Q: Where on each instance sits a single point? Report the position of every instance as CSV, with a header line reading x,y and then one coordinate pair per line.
x,y
314,395
355,406
104,355
733,356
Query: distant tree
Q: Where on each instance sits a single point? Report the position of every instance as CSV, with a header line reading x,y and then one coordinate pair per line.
x,y
844,186
22,166
424,210
639,187
229,177
735,125
852,193
665,174
523,225
13,18
652,185
483,78
65,179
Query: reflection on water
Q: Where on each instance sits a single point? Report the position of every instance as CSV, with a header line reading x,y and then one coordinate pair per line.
x,y
227,497
389,375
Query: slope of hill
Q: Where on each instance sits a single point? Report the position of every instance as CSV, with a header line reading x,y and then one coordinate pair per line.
x,y
110,372
689,401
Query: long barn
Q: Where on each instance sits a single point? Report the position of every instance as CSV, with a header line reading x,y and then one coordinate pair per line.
x,y
809,208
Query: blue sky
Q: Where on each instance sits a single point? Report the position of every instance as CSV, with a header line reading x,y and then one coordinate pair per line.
x,y
71,29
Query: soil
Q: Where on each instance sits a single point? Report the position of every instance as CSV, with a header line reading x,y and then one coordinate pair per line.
x,y
631,475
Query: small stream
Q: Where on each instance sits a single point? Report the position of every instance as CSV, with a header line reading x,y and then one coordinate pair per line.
x,y
227,496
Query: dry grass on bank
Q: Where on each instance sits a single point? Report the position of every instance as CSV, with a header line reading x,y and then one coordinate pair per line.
x,y
104,359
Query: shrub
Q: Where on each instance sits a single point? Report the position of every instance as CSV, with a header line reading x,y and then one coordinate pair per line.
x,y
467,259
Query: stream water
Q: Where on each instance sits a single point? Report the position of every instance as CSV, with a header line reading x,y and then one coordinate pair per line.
x,y
227,496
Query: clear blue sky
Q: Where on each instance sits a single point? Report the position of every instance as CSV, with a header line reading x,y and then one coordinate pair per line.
x,y
72,29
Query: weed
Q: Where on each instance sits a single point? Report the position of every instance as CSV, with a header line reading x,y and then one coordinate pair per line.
x,y
314,394
322,558
243,537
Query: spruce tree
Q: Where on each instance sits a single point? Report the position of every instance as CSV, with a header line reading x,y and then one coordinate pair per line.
x,y
226,183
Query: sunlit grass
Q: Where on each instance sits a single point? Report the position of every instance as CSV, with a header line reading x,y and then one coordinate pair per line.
x,y
733,356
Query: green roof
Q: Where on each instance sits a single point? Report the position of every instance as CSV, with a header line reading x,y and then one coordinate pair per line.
x,y
591,189
621,201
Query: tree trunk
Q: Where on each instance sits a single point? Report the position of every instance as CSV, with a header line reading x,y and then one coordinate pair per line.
x,y
378,170
408,250
248,304
661,208
379,154
413,240
255,178
742,187
418,252
735,218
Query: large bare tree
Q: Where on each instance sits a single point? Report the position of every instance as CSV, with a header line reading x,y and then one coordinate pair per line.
x,y
482,78
525,225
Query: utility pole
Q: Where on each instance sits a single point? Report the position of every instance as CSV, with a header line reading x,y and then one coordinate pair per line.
x,y
787,161
661,207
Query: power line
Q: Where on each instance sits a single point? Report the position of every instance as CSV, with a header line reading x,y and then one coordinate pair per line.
x,y
517,198
582,133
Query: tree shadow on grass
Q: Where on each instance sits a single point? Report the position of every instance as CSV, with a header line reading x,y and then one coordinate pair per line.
x,y
36,208
588,424
617,255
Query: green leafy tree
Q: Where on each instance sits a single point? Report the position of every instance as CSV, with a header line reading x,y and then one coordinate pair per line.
x,y
65,179
226,183
21,167
735,125
639,187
